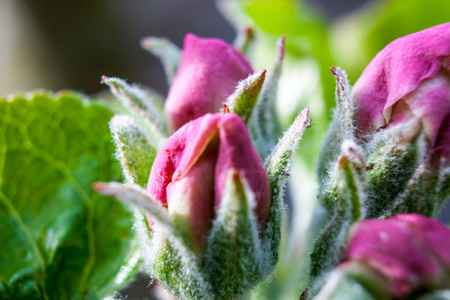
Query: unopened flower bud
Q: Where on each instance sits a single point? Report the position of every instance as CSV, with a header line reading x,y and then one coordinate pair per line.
x,y
401,255
398,112
208,73
190,171
409,78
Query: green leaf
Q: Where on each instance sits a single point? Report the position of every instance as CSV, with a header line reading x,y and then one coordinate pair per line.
x,y
133,149
244,98
60,239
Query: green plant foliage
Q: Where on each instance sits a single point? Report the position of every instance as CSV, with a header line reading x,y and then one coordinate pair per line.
x,y
59,239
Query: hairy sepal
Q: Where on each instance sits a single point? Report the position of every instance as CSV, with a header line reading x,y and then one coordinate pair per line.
x,y
176,267
341,128
165,247
264,125
134,149
244,98
349,195
422,193
278,166
145,108
166,51
233,259
135,196
394,155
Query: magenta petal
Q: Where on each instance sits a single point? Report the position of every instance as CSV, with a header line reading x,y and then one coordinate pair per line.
x,y
237,152
431,103
179,154
431,233
199,134
208,73
396,71
192,197
191,169
391,247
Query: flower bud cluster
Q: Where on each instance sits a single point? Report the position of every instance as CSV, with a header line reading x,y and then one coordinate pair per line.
x,y
213,211
209,211
387,150
403,256
399,113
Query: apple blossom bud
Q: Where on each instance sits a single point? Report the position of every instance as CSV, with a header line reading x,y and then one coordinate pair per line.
x,y
208,73
398,112
409,78
402,255
190,171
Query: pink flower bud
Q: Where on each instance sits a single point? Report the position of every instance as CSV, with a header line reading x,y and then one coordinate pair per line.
x,y
409,78
190,171
409,252
208,73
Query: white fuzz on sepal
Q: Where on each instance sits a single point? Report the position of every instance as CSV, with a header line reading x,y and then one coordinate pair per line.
x,y
341,128
142,106
166,51
278,166
244,98
357,161
135,196
348,194
344,103
233,259
167,253
354,153
422,193
134,149
394,155
278,163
